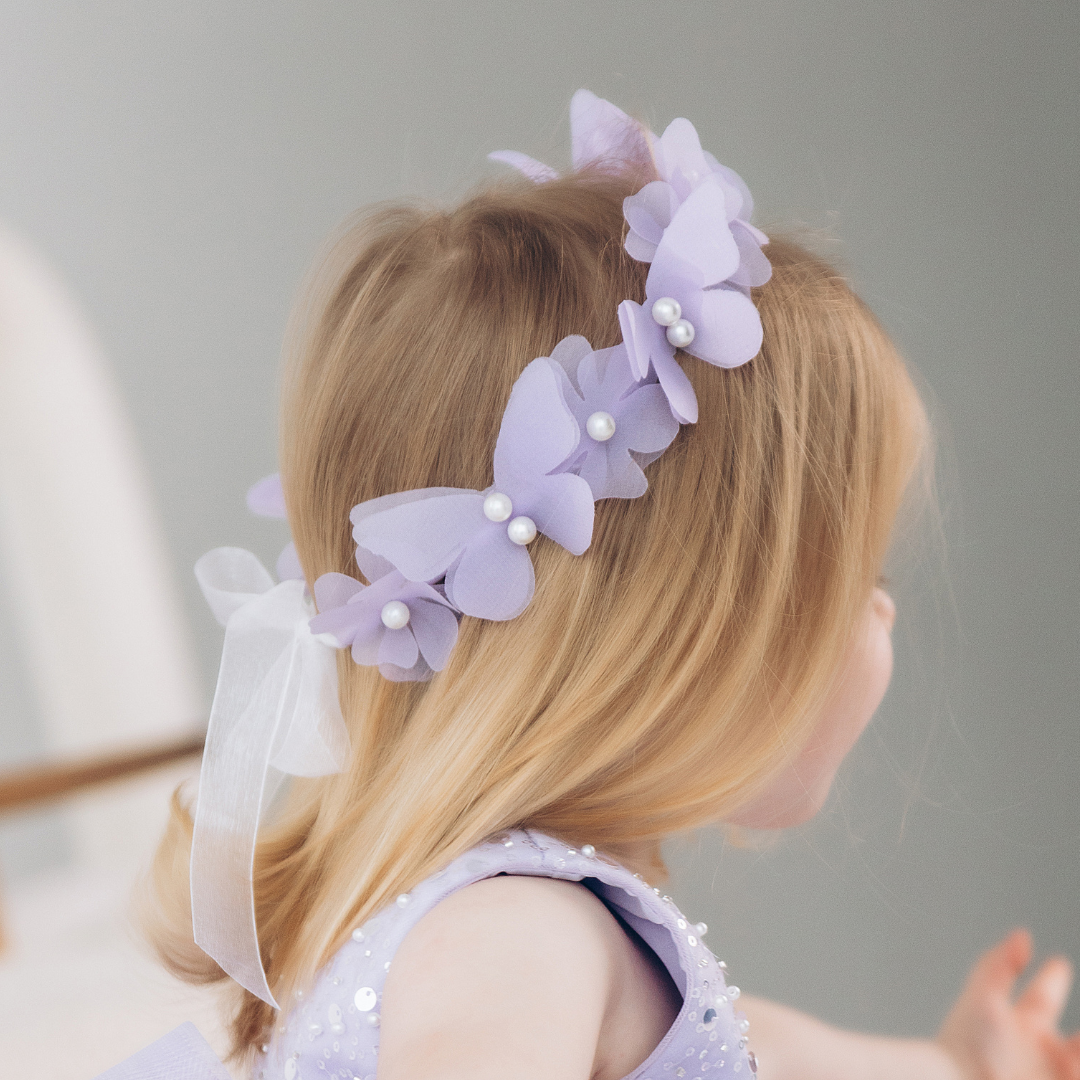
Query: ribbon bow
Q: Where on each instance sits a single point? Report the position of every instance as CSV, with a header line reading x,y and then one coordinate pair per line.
x,y
275,707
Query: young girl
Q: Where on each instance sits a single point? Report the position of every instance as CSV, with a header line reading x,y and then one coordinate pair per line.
x,y
578,604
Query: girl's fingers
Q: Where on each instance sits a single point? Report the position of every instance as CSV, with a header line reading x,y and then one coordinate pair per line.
x,y
1048,992
998,968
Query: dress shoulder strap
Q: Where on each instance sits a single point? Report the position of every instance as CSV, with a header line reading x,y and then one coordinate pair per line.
x,y
334,1030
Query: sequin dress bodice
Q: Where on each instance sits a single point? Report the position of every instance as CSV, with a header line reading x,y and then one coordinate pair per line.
x,y
333,1030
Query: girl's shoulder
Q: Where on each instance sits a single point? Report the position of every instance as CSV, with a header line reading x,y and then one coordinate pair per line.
x,y
602,950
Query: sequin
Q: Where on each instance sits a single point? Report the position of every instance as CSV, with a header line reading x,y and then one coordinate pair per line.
x,y
691,940
334,1012
681,924
365,999
709,1017
315,1028
290,1069
680,1071
752,1059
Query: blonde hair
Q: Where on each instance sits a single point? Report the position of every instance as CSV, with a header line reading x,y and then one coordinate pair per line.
x,y
654,683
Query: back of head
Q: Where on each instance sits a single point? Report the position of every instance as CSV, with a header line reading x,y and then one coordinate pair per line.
x,y
654,683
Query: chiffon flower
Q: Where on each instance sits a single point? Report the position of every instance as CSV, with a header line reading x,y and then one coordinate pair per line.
x,y
407,628
624,423
478,539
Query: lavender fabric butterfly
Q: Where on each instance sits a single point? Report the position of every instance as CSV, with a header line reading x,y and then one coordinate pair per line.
x,y
602,136
477,539
624,423
407,628
693,226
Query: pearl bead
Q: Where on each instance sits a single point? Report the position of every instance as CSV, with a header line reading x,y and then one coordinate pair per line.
x,y
666,311
600,426
588,850
403,900
497,506
395,615
522,530
701,928
373,1019
680,334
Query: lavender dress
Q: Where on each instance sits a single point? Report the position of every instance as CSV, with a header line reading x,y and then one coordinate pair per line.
x,y
334,1029
332,1033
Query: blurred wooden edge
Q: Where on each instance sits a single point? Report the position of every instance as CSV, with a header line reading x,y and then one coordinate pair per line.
x,y
21,789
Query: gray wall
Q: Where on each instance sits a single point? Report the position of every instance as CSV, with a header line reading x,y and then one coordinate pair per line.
x,y
180,162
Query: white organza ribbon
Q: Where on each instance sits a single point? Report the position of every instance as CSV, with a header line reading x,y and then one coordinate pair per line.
x,y
275,708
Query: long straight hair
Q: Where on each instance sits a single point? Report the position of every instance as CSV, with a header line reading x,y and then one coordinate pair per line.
x,y
656,682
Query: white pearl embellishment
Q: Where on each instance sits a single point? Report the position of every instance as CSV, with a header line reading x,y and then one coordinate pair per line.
x,y
588,850
395,615
403,900
666,311
497,506
522,530
680,334
600,426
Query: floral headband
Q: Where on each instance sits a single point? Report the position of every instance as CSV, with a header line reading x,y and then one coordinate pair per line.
x,y
580,426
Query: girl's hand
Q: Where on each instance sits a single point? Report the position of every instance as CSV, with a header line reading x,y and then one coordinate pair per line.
x,y
991,1036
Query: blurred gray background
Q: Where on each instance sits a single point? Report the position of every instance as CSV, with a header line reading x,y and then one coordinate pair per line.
x,y
180,163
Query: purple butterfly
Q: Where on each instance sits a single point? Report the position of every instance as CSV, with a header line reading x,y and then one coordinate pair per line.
x,y
478,539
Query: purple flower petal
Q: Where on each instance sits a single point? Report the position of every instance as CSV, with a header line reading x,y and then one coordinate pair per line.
x,y
602,134
535,170
266,497
648,212
562,508
754,267
681,160
698,237
288,564
642,337
677,388
333,591
493,579
746,207
568,354
398,647
372,566
647,346
727,326
538,431
420,532
435,627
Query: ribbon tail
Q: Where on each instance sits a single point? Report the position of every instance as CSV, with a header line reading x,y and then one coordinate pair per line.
x,y
255,685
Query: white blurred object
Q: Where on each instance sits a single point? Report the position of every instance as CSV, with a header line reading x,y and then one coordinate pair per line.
x,y
96,606
78,992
